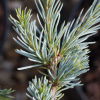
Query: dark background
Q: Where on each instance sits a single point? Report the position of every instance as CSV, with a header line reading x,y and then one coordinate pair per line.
x,y
10,77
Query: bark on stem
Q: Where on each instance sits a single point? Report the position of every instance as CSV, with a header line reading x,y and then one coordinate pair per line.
x,y
54,72
54,91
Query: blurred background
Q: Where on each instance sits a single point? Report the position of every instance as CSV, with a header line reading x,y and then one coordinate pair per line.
x,y
10,77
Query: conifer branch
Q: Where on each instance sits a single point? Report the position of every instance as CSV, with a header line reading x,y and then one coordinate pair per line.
x,y
4,94
63,53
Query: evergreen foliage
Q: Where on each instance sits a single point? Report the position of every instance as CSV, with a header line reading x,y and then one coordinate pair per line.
x,y
40,88
63,53
4,94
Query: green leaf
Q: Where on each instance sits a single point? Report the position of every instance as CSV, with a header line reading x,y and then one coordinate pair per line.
x,y
39,89
4,94
27,67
